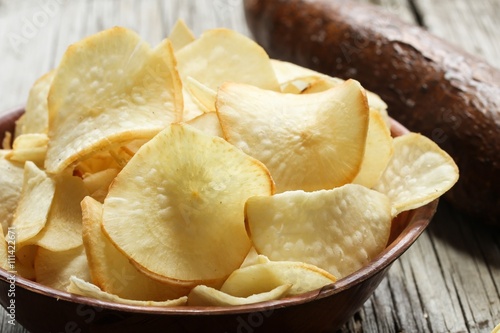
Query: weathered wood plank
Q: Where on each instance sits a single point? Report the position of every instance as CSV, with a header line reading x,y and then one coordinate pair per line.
x,y
472,25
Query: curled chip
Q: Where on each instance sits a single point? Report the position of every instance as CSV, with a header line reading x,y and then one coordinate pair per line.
x,y
110,88
205,296
308,142
418,172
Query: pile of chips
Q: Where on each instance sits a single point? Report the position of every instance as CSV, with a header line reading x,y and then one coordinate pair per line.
x,y
201,172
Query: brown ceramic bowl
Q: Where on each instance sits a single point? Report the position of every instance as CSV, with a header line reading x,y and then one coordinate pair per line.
x,y
42,309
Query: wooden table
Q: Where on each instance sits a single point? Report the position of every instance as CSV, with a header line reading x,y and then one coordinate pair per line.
x,y
449,281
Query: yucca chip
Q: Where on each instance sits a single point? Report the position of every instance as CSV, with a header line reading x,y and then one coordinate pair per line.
x,y
36,115
25,261
180,35
97,184
110,88
337,230
217,57
418,173
4,256
378,151
176,209
11,184
53,269
84,288
63,230
111,270
34,204
308,142
262,277
29,147
207,123
206,296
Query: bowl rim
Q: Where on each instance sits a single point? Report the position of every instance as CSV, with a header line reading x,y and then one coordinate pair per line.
x,y
419,218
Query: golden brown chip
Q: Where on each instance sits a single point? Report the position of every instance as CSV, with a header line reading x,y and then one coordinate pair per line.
x,y
111,270
176,209
63,230
34,204
308,142
53,269
11,184
84,288
35,117
110,88
206,296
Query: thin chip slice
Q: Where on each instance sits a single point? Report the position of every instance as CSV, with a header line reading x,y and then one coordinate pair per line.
x,y
34,204
308,142
4,254
374,101
206,296
98,162
177,208
201,93
207,123
53,269
36,115
253,258
338,230
286,71
266,276
84,288
25,261
110,88
378,151
180,35
29,147
63,230
418,173
11,183
217,57
112,271
97,184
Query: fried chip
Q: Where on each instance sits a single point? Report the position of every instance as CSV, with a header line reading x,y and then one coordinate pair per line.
x,y
378,151
53,269
176,208
202,94
418,173
29,147
84,288
63,230
206,296
97,184
11,184
217,57
338,230
262,277
35,117
308,142
110,88
4,254
111,271
180,35
287,72
34,204
25,261
207,123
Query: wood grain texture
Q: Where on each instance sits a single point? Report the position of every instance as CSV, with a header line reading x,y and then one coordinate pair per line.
x,y
449,281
